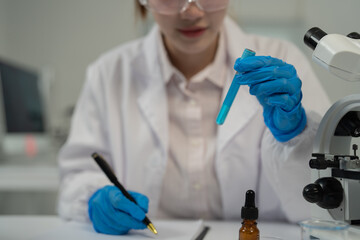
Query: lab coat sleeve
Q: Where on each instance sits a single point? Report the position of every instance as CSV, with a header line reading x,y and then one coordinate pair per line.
x,y
286,166
80,176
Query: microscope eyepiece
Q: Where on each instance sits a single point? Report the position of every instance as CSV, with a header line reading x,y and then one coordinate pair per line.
x,y
313,36
354,35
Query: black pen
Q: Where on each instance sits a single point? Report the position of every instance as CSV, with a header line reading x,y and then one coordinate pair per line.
x,y
110,174
203,233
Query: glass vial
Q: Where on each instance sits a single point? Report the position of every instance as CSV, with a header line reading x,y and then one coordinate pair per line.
x,y
249,214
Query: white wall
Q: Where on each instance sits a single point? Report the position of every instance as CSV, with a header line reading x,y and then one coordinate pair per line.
x,y
2,27
64,37
334,16
290,19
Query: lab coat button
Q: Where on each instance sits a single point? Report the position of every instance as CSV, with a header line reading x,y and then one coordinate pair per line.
x,y
195,142
192,102
197,186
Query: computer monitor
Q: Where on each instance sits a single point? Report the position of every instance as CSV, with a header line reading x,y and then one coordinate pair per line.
x,y
22,110
22,101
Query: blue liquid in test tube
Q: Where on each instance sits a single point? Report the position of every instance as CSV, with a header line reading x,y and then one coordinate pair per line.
x,y
230,96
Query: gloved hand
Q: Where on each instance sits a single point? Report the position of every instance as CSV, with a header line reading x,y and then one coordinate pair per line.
x,y
278,89
112,213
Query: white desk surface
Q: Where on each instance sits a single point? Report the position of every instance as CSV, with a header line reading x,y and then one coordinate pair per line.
x,y
28,227
19,173
28,178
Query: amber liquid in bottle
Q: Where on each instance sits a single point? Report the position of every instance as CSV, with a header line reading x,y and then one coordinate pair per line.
x,y
249,230
249,214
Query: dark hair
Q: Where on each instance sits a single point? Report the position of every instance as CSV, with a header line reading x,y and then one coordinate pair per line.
x,y
140,10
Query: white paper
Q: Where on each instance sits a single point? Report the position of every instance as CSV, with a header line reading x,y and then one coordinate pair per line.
x,y
169,230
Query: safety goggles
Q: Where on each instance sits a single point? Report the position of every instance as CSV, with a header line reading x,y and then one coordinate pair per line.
x,y
169,7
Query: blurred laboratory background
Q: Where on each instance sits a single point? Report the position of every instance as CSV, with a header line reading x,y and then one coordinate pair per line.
x,y
46,45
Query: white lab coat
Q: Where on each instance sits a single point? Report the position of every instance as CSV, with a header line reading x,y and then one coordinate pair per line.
x,y
122,114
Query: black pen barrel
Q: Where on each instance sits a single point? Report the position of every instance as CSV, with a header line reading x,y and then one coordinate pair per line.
x,y
105,167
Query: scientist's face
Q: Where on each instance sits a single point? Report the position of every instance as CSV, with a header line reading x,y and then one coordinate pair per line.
x,y
192,30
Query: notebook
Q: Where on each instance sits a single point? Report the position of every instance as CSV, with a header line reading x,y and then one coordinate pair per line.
x,y
169,230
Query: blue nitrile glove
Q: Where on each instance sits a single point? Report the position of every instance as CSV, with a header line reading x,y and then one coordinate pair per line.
x,y
278,89
112,213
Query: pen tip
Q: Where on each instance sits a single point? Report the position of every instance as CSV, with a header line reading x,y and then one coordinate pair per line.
x,y
152,228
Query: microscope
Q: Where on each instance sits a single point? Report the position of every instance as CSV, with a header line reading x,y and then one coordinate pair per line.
x,y
335,163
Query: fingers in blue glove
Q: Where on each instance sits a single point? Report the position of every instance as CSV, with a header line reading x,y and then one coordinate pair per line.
x,y
120,219
265,74
255,62
141,200
285,125
112,213
107,223
290,86
120,202
286,102
278,89
287,120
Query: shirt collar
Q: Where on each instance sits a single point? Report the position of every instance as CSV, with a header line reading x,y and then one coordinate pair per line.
x,y
166,67
212,72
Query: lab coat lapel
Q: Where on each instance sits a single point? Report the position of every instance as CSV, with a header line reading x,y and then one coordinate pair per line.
x,y
242,110
153,100
244,105
154,107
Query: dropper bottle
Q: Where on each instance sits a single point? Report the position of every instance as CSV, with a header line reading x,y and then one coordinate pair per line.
x,y
249,214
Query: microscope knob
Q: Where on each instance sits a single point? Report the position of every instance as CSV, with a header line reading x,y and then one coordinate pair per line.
x,y
313,193
325,192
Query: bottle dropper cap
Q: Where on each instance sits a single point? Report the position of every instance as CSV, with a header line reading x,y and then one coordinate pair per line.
x,y
249,211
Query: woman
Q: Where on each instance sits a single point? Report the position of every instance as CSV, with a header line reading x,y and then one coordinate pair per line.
x,y
149,107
